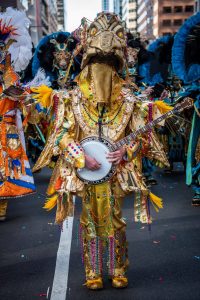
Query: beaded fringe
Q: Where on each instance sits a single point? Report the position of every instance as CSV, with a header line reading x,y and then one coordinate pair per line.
x,y
96,253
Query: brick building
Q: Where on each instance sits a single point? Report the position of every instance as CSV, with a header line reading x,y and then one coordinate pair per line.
x,y
170,15
160,17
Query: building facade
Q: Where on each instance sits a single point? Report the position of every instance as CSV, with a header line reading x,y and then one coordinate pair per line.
x,y
129,14
117,7
19,4
145,17
61,14
170,15
52,16
43,16
197,6
105,4
160,17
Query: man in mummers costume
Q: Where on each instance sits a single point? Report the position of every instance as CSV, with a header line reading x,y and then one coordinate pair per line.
x,y
15,175
99,106
53,57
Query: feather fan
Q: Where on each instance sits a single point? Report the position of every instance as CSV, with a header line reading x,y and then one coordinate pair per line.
x,y
14,25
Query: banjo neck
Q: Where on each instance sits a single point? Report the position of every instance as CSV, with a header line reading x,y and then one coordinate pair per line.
x,y
126,140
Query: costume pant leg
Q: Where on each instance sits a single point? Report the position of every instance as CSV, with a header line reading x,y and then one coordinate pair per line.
x,y
3,207
103,232
120,243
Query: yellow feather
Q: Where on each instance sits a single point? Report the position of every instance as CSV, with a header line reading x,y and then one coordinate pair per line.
x,y
156,201
51,202
162,106
50,190
43,95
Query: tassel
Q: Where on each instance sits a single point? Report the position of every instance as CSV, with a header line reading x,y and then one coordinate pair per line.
x,y
111,255
51,202
150,119
100,255
162,106
93,254
156,202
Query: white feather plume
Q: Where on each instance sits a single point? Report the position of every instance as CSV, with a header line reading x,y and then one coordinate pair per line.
x,y
39,79
20,50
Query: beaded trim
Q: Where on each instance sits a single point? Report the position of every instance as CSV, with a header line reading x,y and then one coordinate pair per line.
x,y
103,123
112,133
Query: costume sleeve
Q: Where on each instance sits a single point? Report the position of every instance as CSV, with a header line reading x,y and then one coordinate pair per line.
x,y
62,130
137,121
67,142
150,146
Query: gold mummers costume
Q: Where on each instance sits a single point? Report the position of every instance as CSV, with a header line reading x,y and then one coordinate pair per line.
x,y
16,179
100,104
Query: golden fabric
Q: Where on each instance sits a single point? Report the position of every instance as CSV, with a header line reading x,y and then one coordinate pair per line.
x,y
76,118
90,82
100,96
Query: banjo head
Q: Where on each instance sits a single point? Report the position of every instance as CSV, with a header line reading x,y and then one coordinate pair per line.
x,y
97,149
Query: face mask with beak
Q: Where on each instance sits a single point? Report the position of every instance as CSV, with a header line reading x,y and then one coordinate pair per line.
x,y
104,55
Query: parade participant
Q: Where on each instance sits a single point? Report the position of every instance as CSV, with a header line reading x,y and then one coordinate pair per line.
x,y
15,46
157,71
53,56
137,55
100,110
186,65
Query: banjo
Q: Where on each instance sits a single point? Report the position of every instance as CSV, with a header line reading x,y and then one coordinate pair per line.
x,y
98,147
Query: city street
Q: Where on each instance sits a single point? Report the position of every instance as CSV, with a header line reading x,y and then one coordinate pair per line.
x,y
164,263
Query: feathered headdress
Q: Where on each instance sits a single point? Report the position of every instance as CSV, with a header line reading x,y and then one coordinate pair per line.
x,y
185,51
14,33
44,53
135,42
157,69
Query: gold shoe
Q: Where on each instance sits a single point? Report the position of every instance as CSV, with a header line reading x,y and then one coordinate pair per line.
x,y
94,284
119,282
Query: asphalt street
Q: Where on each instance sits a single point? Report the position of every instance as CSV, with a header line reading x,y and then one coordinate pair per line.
x,y
164,262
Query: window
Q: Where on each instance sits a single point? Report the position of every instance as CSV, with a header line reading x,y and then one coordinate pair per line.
x,y
178,9
178,22
167,9
189,8
166,22
132,10
44,10
132,20
105,5
166,33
